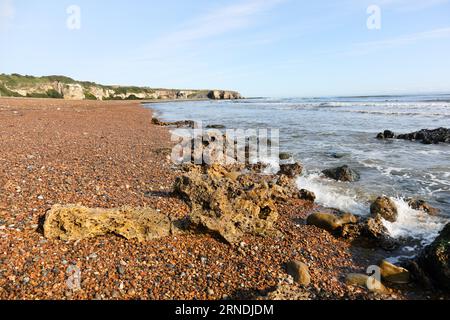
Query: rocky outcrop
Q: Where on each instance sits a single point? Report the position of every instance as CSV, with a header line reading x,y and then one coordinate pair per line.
x,y
231,202
435,260
422,205
343,173
224,95
71,223
385,208
307,195
291,170
73,92
440,135
178,124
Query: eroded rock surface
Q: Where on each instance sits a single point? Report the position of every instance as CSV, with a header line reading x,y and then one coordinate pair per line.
x,y
70,223
385,208
343,173
231,202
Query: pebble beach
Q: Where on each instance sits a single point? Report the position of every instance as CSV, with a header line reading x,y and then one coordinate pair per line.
x,y
108,155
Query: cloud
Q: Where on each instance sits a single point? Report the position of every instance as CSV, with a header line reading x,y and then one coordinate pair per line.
x,y
367,47
6,13
213,24
410,5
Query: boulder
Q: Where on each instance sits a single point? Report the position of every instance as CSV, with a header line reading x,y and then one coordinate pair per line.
x,y
330,222
387,134
285,156
363,280
374,230
231,207
291,170
385,208
435,260
343,173
300,272
71,223
393,273
423,206
307,195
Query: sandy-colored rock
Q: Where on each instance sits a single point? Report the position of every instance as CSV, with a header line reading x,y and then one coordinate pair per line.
x,y
300,272
229,204
363,280
72,223
393,273
330,222
385,208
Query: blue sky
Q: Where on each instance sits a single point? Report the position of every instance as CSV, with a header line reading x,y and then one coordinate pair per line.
x,y
259,47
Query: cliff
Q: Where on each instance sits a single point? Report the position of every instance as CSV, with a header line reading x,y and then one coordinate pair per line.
x,y
61,87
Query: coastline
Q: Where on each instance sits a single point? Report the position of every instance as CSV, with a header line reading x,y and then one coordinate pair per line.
x,y
107,155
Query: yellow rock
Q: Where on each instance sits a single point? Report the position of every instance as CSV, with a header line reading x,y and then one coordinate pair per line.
x,y
363,280
393,273
70,223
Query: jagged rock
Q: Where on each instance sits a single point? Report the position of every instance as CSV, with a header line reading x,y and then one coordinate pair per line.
x,y
230,207
343,173
440,135
435,259
223,95
385,208
374,230
70,223
291,170
363,280
307,195
423,206
393,273
178,124
300,272
330,222
387,134
286,292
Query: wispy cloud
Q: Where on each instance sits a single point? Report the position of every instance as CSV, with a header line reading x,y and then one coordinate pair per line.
x,y
215,23
6,13
409,5
368,47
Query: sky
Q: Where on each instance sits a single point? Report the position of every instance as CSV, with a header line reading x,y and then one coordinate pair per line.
x,y
265,48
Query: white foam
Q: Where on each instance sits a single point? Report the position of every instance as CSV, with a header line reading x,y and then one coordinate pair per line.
x,y
331,196
414,223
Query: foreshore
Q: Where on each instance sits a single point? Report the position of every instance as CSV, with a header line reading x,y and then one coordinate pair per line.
x,y
109,155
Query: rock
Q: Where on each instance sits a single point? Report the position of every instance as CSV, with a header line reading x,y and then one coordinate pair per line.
x,y
363,280
223,95
300,272
330,222
215,126
286,292
73,92
70,223
178,124
374,230
393,273
387,134
307,195
227,207
435,260
285,156
385,208
291,170
343,173
440,135
423,206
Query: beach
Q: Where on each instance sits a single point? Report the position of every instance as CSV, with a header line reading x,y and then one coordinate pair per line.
x,y
108,155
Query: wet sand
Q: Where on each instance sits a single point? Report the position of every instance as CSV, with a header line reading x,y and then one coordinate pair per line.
x,y
108,154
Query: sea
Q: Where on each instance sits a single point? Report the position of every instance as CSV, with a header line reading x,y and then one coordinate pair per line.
x,y
323,133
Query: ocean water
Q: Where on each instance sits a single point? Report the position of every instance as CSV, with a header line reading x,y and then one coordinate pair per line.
x,y
316,130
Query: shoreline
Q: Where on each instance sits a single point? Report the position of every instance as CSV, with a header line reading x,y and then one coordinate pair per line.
x,y
107,155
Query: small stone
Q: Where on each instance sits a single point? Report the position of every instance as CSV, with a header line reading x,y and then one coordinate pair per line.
x,y
210,292
300,272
